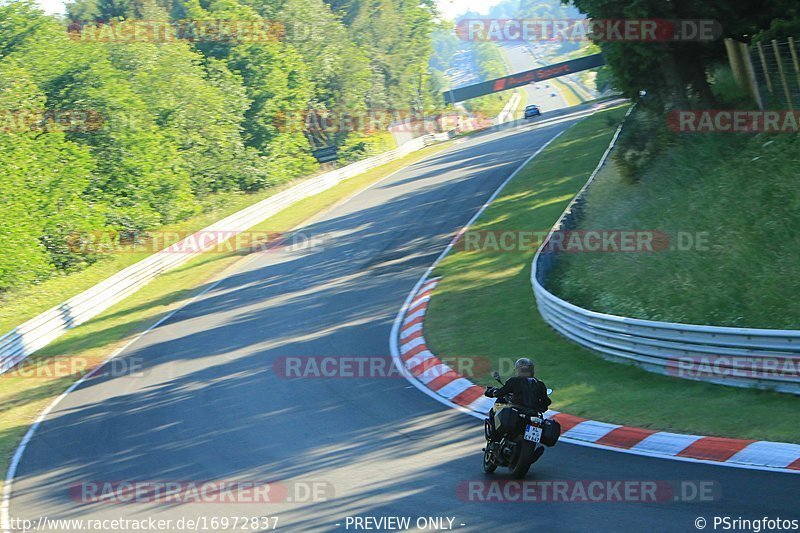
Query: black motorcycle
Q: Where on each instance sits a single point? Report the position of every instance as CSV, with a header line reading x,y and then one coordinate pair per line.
x,y
516,435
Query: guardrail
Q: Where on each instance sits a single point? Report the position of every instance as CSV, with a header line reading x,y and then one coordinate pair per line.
x,y
743,357
36,333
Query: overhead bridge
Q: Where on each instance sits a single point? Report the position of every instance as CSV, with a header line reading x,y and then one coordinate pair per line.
x,y
520,79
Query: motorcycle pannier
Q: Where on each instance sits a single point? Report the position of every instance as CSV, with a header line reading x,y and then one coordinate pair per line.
x,y
507,420
551,431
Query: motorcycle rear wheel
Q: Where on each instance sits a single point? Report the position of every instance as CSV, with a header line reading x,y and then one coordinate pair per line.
x,y
524,459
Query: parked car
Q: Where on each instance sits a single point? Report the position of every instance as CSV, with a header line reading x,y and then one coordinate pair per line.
x,y
532,111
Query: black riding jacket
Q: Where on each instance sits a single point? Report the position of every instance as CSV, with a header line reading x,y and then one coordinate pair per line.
x,y
528,392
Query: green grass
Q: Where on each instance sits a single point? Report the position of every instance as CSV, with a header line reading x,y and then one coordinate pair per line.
x,y
484,307
738,198
569,94
22,398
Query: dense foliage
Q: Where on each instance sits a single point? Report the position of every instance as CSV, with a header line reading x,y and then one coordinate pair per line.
x,y
675,74
108,134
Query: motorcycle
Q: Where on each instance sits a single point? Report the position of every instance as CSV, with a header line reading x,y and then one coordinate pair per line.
x,y
523,434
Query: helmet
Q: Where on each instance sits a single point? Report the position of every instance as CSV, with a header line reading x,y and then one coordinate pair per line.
x,y
523,367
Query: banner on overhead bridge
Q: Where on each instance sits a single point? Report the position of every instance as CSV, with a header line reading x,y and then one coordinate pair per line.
x,y
523,78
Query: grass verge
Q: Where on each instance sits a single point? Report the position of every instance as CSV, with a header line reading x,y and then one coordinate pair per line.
x,y
484,307
728,206
519,110
570,95
571,98
23,394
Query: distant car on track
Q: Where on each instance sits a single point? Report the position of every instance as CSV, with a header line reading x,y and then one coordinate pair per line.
x,y
532,111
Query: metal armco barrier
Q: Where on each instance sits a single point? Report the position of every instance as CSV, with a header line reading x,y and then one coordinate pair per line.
x,y
742,357
36,333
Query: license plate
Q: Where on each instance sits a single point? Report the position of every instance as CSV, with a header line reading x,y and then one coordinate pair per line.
x,y
533,433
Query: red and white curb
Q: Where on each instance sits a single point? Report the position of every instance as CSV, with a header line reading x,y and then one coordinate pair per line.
x,y
426,370
429,369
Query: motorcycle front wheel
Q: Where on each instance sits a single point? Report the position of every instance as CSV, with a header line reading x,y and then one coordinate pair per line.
x,y
489,466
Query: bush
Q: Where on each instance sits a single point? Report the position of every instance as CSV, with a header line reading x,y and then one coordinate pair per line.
x,y
725,89
644,136
359,146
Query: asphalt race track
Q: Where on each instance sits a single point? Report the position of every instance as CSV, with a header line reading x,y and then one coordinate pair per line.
x,y
210,404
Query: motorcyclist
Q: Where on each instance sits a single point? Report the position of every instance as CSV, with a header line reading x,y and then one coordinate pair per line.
x,y
528,392
526,389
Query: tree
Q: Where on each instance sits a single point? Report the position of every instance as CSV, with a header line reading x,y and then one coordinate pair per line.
x,y
42,201
675,74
